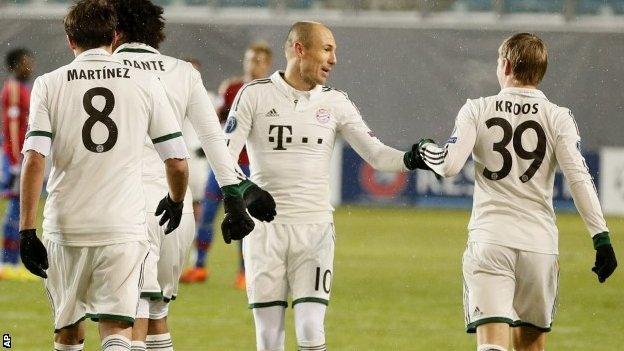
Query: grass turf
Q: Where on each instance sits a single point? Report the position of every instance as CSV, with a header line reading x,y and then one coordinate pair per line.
x,y
397,286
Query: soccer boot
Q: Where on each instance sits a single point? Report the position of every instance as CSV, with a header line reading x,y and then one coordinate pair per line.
x,y
195,275
240,283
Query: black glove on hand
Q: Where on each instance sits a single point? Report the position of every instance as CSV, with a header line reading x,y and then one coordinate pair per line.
x,y
605,257
171,211
259,203
33,253
236,223
412,158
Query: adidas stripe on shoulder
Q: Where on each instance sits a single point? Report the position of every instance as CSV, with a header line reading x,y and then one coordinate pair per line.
x,y
253,82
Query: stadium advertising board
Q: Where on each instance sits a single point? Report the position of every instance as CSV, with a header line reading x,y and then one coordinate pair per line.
x,y
361,184
612,180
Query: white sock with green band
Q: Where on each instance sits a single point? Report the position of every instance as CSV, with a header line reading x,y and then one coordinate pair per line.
x,y
310,326
159,342
63,347
116,342
138,345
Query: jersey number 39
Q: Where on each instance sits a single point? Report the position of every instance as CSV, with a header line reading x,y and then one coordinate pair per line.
x,y
99,116
536,155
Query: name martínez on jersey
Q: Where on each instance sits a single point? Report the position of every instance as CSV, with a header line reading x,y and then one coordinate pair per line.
x,y
103,73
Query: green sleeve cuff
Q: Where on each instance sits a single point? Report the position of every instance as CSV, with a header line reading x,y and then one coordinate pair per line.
x,y
407,160
601,239
237,190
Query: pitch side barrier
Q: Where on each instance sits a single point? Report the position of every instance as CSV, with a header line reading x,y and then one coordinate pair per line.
x,y
361,184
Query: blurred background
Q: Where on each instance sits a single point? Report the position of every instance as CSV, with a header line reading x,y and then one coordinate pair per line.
x,y
409,65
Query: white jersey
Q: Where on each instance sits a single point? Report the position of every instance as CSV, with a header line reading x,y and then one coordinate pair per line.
x,y
290,137
517,139
93,115
189,99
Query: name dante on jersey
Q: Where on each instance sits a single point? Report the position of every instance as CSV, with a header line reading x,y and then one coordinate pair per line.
x,y
153,65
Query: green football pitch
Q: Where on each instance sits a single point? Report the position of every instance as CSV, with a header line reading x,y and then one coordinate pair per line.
x,y
397,286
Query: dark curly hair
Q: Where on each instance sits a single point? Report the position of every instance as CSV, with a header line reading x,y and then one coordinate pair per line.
x,y
140,21
15,56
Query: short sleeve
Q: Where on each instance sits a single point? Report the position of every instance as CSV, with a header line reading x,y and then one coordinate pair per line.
x,y
39,135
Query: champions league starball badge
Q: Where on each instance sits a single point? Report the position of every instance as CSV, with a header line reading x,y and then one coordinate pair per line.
x,y
230,124
323,115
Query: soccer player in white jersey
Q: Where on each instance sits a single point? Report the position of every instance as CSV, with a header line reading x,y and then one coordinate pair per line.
x,y
517,138
289,123
92,117
140,31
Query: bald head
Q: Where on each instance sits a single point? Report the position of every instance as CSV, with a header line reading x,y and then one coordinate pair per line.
x,y
304,33
310,50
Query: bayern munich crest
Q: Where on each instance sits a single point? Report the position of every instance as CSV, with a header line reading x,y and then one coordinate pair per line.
x,y
323,115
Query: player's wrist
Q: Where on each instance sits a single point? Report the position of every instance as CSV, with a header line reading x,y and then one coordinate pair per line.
x,y
237,190
601,239
174,203
27,233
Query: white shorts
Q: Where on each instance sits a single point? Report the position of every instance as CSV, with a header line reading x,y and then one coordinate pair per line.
x,y
198,176
505,285
167,256
97,282
283,259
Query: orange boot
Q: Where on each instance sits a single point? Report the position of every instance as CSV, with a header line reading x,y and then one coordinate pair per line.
x,y
239,283
195,275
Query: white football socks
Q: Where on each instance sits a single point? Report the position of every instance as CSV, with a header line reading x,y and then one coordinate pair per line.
x,y
490,347
138,345
310,326
63,347
116,342
270,333
159,342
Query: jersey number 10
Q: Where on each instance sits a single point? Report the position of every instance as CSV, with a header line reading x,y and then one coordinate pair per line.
x,y
536,155
99,116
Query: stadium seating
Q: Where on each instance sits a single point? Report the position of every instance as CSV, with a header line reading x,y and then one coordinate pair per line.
x,y
582,7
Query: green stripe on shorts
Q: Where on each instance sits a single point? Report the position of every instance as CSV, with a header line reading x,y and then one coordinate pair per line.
x,y
311,299
114,317
472,327
268,304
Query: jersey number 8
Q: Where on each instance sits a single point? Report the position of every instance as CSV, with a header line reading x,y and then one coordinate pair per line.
x,y
536,155
99,116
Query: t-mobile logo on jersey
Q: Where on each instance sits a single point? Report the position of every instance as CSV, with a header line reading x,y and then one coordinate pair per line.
x,y
280,136
283,135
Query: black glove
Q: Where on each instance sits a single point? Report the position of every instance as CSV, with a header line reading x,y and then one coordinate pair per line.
x,y
171,211
33,253
236,223
412,158
605,257
259,203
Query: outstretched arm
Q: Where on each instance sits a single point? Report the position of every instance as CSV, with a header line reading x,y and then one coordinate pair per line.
x,y
449,159
203,118
355,131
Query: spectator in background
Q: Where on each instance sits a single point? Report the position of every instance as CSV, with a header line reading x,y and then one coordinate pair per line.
x,y
256,64
15,107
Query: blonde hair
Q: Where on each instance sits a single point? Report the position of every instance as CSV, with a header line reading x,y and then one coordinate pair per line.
x,y
261,47
527,56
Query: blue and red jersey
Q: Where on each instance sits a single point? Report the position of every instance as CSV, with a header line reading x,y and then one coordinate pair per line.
x,y
15,97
